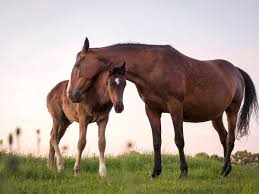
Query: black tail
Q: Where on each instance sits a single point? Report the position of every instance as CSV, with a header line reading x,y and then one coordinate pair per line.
x,y
250,105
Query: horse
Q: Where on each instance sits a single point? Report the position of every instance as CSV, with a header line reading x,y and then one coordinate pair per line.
x,y
95,105
168,81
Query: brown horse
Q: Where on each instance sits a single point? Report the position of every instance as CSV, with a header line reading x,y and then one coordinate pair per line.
x,y
95,106
168,81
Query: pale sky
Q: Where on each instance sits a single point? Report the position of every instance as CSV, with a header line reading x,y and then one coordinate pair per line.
x,y
39,41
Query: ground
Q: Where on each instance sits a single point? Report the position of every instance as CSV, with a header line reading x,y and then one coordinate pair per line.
x,y
128,173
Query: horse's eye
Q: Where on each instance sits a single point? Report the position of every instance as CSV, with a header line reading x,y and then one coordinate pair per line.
x,y
111,84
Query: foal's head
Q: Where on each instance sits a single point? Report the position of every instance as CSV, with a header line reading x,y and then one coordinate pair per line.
x,y
116,83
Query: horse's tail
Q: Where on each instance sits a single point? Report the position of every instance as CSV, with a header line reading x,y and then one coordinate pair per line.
x,y
250,105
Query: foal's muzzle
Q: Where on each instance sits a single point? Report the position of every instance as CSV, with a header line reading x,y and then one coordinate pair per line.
x,y
75,97
119,107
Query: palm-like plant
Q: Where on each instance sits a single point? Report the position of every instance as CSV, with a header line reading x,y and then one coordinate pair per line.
x,y
1,143
38,140
18,134
10,141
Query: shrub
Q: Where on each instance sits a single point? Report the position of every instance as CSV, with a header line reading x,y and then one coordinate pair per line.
x,y
245,157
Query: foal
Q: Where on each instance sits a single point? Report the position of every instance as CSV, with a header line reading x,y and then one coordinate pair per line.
x,y
96,103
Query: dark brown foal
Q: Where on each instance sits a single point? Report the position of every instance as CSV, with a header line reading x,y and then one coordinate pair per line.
x,y
95,105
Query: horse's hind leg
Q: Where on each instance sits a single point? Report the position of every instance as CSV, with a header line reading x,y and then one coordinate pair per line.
x,y
102,144
51,154
54,143
58,130
62,129
232,112
219,126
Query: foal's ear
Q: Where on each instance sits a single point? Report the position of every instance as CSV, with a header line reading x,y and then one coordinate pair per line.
x,y
124,66
86,45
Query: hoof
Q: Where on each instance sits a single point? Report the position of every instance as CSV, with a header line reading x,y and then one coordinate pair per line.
x,y
76,172
50,165
60,165
226,170
156,173
184,173
50,161
102,171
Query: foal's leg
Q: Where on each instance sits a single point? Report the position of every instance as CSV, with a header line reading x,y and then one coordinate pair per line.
x,y
154,117
177,117
219,126
51,148
83,123
54,143
101,144
232,113
62,129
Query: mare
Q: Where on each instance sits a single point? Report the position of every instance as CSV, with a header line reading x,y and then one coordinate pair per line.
x,y
168,81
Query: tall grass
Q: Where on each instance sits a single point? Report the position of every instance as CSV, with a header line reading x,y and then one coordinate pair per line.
x,y
128,173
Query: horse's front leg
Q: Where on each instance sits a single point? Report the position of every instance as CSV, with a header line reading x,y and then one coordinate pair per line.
x,y
154,117
83,123
102,144
176,112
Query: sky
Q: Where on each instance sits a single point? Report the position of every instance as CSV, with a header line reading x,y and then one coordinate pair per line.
x,y
39,41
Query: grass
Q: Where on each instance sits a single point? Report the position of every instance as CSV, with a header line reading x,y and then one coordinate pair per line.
x,y
127,173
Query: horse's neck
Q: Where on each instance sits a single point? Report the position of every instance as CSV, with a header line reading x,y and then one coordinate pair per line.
x,y
134,65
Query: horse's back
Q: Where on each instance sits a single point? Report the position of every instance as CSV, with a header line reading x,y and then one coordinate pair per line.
x,y
231,75
55,99
212,87
234,77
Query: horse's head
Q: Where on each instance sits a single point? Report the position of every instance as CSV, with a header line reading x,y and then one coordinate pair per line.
x,y
116,83
86,67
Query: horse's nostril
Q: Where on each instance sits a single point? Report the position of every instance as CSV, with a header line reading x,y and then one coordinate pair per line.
x,y
75,97
119,108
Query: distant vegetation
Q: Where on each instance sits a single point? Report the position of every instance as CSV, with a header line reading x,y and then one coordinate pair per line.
x,y
128,173
245,158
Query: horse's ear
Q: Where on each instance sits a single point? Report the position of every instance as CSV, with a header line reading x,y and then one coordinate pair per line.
x,y
86,45
111,68
78,54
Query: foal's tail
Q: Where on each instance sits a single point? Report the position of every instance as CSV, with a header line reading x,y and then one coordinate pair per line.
x,y
250,105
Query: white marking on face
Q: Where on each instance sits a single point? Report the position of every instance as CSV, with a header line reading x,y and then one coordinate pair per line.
x,y
117,80
68,87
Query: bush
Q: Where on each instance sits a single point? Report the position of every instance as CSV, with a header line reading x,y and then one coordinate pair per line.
x,y
245,158
202,154
216,157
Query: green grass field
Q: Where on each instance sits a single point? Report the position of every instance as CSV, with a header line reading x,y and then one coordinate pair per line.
x,y
127,173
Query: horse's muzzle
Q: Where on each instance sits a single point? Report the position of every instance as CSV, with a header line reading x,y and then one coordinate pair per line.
x,y
75,97
119,107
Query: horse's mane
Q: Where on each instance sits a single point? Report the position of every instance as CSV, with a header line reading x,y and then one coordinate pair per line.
x,y
134,45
